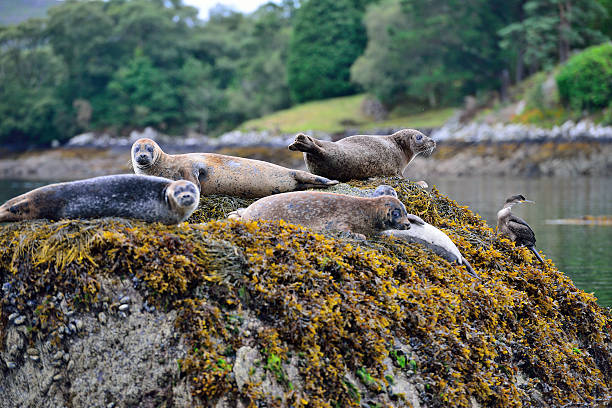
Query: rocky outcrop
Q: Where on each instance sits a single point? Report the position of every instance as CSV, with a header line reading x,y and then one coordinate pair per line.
x,y
120,313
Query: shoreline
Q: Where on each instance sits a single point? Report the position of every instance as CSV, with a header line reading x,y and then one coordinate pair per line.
x,y
528,158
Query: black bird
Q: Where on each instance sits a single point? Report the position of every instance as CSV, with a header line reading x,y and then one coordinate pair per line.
x,y
516,228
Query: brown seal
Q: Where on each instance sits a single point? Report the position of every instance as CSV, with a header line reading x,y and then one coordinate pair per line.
x,y
363,156
220,174
147,198
322,211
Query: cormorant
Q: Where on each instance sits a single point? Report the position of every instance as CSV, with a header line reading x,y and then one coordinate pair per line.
x,y
516,228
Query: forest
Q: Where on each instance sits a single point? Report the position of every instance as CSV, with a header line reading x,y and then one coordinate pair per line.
x,y
117,65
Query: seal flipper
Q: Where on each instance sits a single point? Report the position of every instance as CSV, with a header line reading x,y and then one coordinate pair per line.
x,y
535,252
308,180
469,267
15,210
306,144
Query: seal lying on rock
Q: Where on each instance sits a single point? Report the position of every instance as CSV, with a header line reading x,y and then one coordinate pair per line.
x,y
220,174
426,234
146,198
322,211
363,156
434,239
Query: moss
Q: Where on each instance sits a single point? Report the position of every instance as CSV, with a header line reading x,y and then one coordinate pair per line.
x,y
339,305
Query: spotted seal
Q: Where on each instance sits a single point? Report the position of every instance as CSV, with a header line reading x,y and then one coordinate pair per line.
x,y
147,198
363,156
323,211
221,174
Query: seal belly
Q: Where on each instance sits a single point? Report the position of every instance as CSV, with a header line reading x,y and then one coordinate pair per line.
x,y
430,237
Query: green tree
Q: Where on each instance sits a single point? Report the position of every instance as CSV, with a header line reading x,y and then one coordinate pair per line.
x,y
585,81
548,29
328,36
30,75
433,51
142,96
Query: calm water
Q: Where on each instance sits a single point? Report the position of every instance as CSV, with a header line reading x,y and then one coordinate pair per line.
x,y
583,252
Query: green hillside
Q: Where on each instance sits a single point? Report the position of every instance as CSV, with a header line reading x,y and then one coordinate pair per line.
x,y
16,11
337,114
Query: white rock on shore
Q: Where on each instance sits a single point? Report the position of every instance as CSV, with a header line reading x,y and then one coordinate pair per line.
x,y
233,138
482,132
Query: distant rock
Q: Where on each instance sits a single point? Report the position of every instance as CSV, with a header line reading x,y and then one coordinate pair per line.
x,y
483,132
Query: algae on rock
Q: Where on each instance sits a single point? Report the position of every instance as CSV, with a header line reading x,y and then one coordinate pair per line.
x,y
328,321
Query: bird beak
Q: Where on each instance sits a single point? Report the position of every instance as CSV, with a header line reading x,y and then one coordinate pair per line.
x,y
528,201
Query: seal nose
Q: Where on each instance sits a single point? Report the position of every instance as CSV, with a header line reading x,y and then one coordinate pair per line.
x,y
404,225
142,159
186,200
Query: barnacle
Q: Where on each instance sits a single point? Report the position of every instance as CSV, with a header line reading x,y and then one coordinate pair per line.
x,y
339,305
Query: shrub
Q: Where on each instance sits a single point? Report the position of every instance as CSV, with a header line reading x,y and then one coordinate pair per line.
x,y
585,82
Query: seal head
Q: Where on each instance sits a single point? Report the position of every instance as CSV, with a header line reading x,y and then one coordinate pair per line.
x,y
145,152
384,190
395,214
182,197
414,142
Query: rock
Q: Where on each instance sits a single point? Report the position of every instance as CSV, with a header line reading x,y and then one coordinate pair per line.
x,y
244,368
102,317
79,324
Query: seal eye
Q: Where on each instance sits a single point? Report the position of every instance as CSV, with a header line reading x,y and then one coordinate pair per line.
x,y
149,149
137,149
396,213
419,137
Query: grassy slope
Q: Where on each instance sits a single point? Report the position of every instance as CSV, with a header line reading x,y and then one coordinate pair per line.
x,y
335,115
16,11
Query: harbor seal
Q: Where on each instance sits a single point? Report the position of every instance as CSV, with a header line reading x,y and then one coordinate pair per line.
x,y
323,211
362,156
433,239
425,234
147,198
221,174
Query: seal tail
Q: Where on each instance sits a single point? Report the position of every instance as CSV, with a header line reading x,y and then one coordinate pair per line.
x,y
306,144
535,252
469,267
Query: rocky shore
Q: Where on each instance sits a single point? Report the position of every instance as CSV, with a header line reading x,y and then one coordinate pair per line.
x,y
119,313
570,150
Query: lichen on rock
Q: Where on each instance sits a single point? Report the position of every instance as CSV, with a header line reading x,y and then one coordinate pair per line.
x,y
310,319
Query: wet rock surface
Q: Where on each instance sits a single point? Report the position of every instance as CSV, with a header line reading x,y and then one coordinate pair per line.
x,y
129,360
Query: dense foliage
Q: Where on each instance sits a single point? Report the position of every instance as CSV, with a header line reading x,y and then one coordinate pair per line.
x,y
437,51
119,64
585,81
327,38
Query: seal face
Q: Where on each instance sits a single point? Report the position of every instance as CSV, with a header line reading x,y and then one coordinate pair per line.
x,y
220,174
152,199
322,211
363,156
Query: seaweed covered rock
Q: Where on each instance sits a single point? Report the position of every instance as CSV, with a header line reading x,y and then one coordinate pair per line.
x,y
272,314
